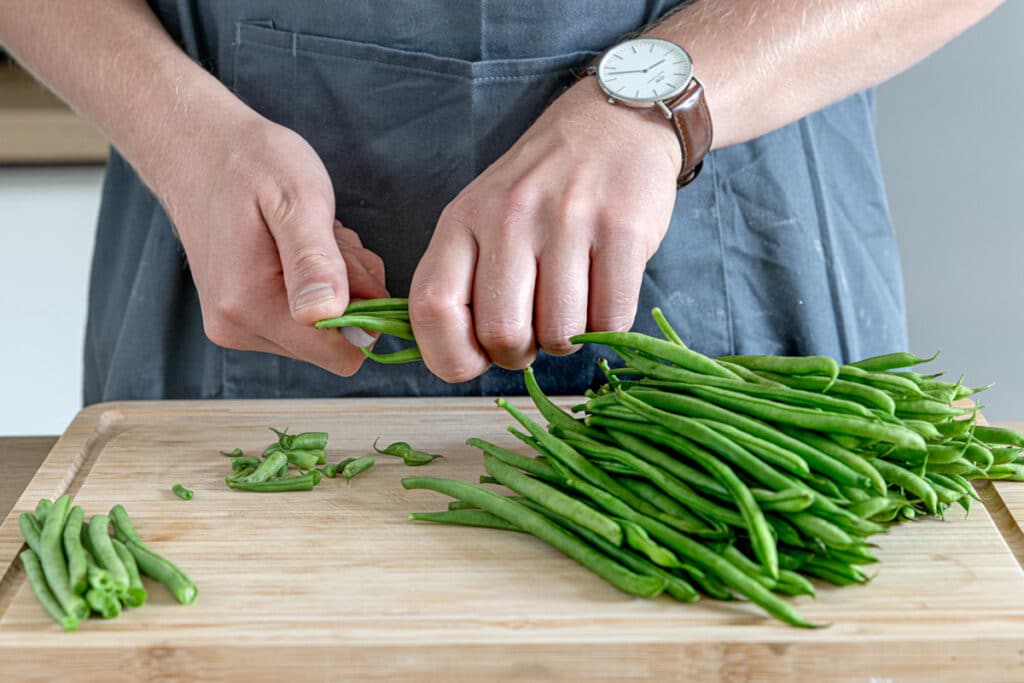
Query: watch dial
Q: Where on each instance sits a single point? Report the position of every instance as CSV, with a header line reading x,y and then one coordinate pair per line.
x,y
644,70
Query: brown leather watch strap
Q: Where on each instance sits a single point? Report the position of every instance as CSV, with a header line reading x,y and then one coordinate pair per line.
x,y
692,121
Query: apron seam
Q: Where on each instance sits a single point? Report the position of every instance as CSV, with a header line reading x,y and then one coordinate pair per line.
x,y
826,237
731,320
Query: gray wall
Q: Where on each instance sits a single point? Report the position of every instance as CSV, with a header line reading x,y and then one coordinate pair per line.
x,y
951,135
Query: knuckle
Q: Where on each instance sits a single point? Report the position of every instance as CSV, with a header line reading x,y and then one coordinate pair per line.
x,y
428,305
505,336
554,339
309,262
221,332
573,209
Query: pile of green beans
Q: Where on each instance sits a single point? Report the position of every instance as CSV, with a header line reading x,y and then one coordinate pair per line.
x,y
736,477
77,568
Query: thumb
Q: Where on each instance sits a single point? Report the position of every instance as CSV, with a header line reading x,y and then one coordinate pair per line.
x,y
315,276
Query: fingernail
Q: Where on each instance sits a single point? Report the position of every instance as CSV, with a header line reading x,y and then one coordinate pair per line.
x,y
357,336
313,294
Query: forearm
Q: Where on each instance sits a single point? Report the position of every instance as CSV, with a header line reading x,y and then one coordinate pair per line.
x,y
114,63
767,63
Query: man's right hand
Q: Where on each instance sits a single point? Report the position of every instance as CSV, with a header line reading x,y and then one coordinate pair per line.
x,y
255,214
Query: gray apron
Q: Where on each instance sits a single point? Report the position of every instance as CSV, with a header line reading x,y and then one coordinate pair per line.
x,y
783,245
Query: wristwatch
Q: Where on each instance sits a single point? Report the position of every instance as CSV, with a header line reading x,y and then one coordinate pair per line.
x,y
650,72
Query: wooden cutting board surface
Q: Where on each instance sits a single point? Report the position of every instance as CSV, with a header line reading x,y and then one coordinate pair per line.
x,y
336,584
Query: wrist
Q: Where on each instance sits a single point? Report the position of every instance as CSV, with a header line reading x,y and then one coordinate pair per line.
x,y
647,128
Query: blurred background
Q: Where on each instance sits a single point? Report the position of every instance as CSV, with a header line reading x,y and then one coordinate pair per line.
x,y
952,145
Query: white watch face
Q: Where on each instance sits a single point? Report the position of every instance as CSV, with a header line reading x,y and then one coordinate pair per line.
x,y
644,71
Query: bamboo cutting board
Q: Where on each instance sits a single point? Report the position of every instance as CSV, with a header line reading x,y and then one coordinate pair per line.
x,y
336,584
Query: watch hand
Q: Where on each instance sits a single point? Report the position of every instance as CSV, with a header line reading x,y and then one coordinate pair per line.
x,y
634,71
654,65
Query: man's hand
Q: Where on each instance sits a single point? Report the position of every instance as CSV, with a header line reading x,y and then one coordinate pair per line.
x,y
255,214
551,240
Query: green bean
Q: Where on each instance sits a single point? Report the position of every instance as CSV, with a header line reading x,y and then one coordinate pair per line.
x,y
106,604
956,481
304,460
103,550
376,305
304,441
756,525
555,500
563,452
666,329
544,529
870,507
236,453
999,435
136,594
665,350
926,429
463,505
854,555
150,563
709,584
647,451
683,519
396,314
36,578
925,406
944,493
43,509
240,474
409,456
767,450
748,375
979,455
477,518
854,462
99,578
410,355
835,572
30,531
637,538
963,467
907,480
330,471
267,469
892,384
936,454
964,392
341,464
788,365
357,466
535,467
811,419
241,463
54,565
868,396
551,412
301,482
785,531
790,500
1002,455
674,585
748,566
395,328
1009,471
822,530
892,361
791,583
181,492
74,552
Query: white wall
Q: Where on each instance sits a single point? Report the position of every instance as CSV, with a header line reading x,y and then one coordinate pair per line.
x,y
47,221
951,132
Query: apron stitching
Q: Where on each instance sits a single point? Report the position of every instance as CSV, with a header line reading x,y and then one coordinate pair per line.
x,y
731,320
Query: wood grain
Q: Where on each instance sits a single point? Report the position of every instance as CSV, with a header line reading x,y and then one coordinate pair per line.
x,y
20,458
337,584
